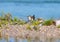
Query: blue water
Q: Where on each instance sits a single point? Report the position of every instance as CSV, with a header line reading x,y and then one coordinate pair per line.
x,y
40,10
11,39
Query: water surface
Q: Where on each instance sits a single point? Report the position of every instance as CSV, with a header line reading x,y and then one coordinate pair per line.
x,y
11,39
22,10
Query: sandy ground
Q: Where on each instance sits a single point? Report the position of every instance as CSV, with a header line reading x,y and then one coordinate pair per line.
x,y
20,31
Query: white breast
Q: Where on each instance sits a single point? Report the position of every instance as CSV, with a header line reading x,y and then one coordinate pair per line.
x,y
29,18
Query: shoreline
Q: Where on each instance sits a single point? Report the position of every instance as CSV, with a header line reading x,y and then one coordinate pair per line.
x,y
20,31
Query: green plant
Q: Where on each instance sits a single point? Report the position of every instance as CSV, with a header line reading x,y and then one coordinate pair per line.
x,y
0,24
28,27
48,22
8,16
18,21
36,27
58,26
35,22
